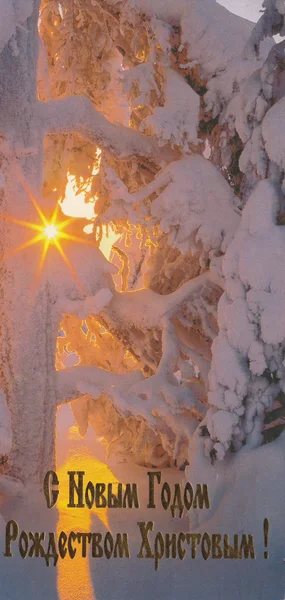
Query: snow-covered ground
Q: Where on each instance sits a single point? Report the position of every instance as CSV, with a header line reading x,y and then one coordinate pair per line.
x,y
241,495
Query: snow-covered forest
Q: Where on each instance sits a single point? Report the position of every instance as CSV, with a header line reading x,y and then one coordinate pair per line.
x,y
168,117
142,239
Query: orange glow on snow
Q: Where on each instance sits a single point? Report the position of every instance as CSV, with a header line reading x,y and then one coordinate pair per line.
x,y
73,575
107,242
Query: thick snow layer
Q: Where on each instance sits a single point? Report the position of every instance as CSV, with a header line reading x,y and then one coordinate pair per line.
x,y
215,35
203,210
252,325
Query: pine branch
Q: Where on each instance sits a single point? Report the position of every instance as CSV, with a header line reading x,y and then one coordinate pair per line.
x,y
76,114
77,381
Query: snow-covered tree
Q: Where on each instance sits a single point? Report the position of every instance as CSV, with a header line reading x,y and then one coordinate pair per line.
x,y
172,113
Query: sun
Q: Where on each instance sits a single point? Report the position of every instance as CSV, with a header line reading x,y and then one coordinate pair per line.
x,y
51,231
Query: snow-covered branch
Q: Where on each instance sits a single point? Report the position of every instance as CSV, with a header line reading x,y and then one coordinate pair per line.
x,y
157,403
77,381
76,114
143,308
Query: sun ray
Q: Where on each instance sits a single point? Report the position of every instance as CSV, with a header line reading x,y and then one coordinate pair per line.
x,y
31,242
50,231
55,214
41,264
31,195
21,222
69,265
74,238
67,222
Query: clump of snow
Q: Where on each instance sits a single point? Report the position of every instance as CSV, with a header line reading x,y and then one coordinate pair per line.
x,y
272,131
197,187
215,35
93,304
177,120
143,78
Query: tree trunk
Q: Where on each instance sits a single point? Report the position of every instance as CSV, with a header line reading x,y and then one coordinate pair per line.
x,y
28,328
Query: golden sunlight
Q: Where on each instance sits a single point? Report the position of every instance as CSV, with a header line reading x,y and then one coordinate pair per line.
x,y
74,205
51,231
79,457
74,202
